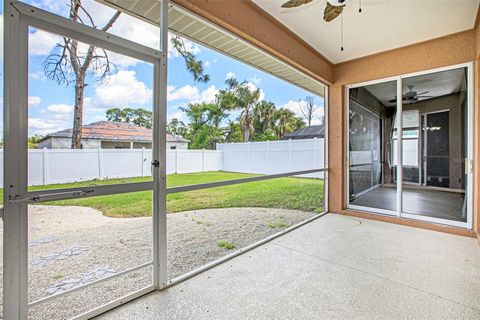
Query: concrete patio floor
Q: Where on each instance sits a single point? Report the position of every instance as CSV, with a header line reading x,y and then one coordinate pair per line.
x,y
336,267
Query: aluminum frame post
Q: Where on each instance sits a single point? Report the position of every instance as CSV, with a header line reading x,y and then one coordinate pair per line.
x,y
15,235
159,157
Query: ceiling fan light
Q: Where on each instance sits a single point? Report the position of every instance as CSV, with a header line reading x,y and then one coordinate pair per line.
x,y
338,3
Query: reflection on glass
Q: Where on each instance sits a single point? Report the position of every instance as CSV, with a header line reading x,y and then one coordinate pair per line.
x,y
372,110
435,145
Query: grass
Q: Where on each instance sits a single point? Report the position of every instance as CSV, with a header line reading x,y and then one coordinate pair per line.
x,y
226,244
58,276
277,224
289,193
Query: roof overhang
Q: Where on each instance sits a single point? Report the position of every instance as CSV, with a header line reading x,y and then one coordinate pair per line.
x,y
199,30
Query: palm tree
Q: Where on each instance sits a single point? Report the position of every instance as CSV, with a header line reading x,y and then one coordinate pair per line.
x,y
264,113
286,122
240,96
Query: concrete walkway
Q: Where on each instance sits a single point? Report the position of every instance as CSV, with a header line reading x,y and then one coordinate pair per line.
x,y
336,267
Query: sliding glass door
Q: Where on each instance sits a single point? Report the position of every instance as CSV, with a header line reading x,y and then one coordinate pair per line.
x,y
409,146
371,180
440,99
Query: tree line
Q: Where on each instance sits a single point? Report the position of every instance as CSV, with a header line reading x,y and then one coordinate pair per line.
x,y
211,123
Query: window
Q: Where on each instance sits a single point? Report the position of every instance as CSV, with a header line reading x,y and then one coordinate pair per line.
x,y
410,135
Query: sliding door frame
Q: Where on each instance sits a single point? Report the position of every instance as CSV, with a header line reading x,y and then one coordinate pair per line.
x,y
347,151
399,117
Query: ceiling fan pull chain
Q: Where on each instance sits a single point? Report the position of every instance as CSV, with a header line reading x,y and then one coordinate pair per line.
x,y
360,7
341,30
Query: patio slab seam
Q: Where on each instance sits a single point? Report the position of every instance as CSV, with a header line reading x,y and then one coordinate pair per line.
x,y
374,275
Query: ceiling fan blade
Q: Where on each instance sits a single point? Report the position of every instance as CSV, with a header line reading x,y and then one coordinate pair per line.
x,y
419,94
295,3
331,12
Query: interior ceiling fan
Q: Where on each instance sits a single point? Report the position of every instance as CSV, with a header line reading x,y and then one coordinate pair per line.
x,y
333,9
411,96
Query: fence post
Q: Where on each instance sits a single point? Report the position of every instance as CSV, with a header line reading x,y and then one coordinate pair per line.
x,y
267,157
289,154
203,160
100,163
176,160
143,162
316,163
44,169
248,157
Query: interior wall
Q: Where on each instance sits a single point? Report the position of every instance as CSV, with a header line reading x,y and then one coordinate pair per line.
x,y
445,51
452,103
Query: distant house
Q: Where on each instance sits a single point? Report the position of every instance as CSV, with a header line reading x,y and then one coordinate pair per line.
x,y
109,135
309,132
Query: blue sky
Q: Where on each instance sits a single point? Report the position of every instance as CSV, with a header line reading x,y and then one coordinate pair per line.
x,y
51,105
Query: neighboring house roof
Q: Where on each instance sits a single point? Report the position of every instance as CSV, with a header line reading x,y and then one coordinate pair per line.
x,y
109,130
309,132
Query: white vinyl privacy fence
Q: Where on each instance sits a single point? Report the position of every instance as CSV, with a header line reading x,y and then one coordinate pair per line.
x,y
49,166
271,157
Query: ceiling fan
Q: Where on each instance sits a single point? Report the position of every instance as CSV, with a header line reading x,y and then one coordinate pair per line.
x,y
411,96
333,9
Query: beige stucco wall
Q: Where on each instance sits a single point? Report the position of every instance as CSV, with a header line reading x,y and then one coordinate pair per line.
x,y
445,51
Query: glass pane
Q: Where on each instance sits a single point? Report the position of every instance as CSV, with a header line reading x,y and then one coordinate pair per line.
x,y
435,151
372,139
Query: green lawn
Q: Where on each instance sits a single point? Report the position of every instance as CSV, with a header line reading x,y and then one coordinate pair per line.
x,y
289,193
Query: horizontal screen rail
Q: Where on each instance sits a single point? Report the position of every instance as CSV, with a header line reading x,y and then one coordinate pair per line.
x,y
89,284
239,181
110,189
82,192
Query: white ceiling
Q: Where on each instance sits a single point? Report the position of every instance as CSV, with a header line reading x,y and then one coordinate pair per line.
x,y
382,25
435,84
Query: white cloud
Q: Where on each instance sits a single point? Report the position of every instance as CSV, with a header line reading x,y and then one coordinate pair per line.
x,y
207,64
37,76
121,90
186,92
41,43
34,101
46,126
253,87
207,95
192,94
229,75
179,115
256,80
296,106
60,108
57,6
